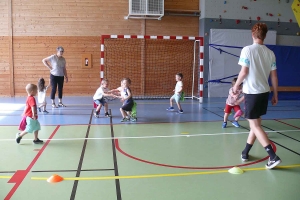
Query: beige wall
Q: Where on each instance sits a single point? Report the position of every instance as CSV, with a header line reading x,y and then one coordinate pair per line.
x,y
39,26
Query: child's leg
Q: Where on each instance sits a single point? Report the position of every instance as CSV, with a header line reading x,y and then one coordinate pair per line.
x,y
171,102
171,108
36,135
237,118
23,133
226,116
177,100
123,113
44,106
98,109
36,138
238,112
106,108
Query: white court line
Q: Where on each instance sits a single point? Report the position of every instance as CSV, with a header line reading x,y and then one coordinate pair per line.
x,y
152,137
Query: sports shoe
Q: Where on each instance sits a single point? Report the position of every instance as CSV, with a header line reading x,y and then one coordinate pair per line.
x,y
170,109
125,119
244,157
238,113
273,163
107,115
96,115
236,124
180,111
45,111
133,119
224,124
39,109
18,138
38,141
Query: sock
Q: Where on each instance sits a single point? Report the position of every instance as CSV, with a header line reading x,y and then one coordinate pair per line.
x,y
270,151
247,149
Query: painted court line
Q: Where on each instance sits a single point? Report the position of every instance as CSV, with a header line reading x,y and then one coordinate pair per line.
x,y
162,175
151,137
20,175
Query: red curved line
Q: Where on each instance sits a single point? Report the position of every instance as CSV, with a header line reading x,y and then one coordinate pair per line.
x,y
187,167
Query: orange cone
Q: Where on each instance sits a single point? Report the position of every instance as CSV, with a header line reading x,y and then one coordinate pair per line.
x,y
55,179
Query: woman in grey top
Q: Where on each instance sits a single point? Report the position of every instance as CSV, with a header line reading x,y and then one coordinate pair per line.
x,y
58,73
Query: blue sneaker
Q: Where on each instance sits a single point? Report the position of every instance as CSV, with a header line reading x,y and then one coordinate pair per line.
x,y
170,109
236,124
224,124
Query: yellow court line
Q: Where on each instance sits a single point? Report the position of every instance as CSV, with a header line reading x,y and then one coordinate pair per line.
x,y
5,177
161,175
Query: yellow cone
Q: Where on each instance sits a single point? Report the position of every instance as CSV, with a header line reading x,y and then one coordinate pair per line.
x,y
236,170
55,179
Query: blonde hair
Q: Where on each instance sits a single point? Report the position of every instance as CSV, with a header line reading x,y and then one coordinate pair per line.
x,y
30,88
104,81
259,31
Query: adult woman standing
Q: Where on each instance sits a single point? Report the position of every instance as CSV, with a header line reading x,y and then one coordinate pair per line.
x,y
58,73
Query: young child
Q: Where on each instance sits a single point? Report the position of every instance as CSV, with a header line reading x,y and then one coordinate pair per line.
x,y
99,98
32,125
126,98
42,95
233,101
177,94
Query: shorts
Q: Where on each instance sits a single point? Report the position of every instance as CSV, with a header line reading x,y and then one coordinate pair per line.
x,y
228,108
176,97
100,101
256,105
128,106
32,125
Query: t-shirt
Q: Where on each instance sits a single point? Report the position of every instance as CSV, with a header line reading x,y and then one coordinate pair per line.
x,y
124,94
58,65
42,95
261,61
178,87
230,99
30,102
99,93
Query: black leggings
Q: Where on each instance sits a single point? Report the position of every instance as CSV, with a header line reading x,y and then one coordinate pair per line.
x,y
56,81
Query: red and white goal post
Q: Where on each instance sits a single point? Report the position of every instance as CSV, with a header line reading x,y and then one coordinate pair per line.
x,y
151,63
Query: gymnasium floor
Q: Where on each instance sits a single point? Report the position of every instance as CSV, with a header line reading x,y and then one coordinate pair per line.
x,y
162,156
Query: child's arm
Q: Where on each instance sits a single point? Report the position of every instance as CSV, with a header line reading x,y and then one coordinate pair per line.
x,y
34,112
239,101
118,90
108,94
234,96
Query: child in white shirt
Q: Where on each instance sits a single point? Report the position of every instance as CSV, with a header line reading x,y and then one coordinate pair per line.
x,y
42,89
99,98
178,92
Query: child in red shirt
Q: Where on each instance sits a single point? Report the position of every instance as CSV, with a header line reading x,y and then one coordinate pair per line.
x,y
30,116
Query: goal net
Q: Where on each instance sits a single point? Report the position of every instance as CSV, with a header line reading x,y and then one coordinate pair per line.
x,y
151,64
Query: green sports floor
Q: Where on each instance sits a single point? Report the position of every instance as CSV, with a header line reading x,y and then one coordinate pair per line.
x,y
162,156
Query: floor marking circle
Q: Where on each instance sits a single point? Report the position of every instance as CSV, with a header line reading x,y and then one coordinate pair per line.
x,y
189,167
